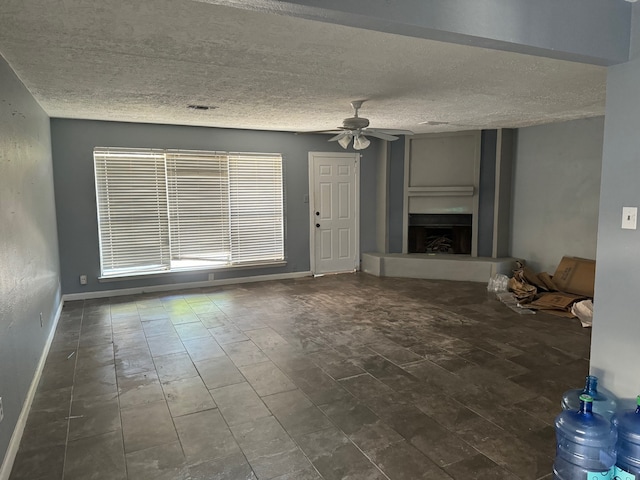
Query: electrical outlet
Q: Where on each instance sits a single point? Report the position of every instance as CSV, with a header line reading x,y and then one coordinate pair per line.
x,y
1,410
83,279
212,277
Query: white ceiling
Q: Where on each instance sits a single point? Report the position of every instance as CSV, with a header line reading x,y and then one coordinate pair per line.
x,y
146,60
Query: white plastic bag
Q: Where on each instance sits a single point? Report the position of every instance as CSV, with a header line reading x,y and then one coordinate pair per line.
x,y
498,283
584,311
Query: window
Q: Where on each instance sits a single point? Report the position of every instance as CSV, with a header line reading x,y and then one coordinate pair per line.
x,y
168,210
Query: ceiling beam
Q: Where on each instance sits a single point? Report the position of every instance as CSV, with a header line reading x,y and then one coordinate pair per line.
x,y
587,31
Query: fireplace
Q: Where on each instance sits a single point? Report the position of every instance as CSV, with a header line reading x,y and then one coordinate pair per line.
x,y
448,233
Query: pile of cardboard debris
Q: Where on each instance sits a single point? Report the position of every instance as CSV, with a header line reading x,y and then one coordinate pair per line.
x,y
568,293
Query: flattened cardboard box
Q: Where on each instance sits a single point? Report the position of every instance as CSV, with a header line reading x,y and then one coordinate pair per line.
x,y
575,275
555,301
559,313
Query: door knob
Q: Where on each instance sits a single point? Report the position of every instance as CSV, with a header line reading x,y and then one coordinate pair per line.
x,y
317,225
318,213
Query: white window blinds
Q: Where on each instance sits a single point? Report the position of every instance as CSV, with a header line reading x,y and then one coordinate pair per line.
x,y
198,186
132,211
255,199
174,210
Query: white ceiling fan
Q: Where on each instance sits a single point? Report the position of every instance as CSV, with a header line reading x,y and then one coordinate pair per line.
x,y
354,128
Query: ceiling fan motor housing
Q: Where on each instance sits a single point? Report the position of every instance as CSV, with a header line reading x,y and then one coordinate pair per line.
x,y
355,123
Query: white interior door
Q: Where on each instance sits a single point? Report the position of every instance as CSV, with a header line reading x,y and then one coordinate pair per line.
x,y
334,210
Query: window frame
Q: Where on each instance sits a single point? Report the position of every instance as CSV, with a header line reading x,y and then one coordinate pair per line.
x,y
276,257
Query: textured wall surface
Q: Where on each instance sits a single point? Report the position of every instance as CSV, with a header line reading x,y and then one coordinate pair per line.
x,y
556,187
616,329
29,271
73,142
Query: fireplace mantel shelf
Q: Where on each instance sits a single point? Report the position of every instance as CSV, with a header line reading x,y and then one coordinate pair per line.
x,y
446,191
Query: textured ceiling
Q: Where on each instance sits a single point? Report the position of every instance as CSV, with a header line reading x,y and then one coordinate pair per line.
x,y
146,60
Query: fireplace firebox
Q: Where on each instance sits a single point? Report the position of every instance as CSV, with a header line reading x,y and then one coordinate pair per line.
x,y
449,233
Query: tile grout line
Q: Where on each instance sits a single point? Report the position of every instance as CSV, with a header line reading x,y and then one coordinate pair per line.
x,y
115,368
175,428
73,386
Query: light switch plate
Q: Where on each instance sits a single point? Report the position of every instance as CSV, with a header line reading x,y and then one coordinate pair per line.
x,y
629,218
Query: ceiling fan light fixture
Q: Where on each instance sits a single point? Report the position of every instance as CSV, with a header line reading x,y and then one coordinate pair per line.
x,y
354,127
344,141
361,142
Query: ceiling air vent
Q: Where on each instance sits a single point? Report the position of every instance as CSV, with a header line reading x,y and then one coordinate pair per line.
x,y
201,107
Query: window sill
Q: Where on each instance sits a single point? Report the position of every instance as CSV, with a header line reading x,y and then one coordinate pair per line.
x,y
190,271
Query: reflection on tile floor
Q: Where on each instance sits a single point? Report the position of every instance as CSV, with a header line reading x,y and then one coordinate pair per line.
x,y
348,376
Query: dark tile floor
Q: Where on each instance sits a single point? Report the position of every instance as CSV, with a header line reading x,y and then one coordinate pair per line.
x,y
339,377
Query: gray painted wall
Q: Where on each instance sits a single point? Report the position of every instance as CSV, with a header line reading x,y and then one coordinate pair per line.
x,y
616,328
396,195
487,192
382,199
29,271
556,186
504,179
73,142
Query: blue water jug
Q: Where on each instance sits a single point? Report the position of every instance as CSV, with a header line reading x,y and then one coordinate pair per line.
x,y
628,446
604,402
586,444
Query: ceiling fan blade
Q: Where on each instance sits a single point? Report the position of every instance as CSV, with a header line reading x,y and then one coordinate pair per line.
x,y
382,135
326,132
339,136
391,131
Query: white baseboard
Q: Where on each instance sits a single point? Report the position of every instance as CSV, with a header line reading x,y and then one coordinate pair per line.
x,y
14,443
182,286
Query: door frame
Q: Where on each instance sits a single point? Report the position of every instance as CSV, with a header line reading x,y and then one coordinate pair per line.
x,y
312,237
